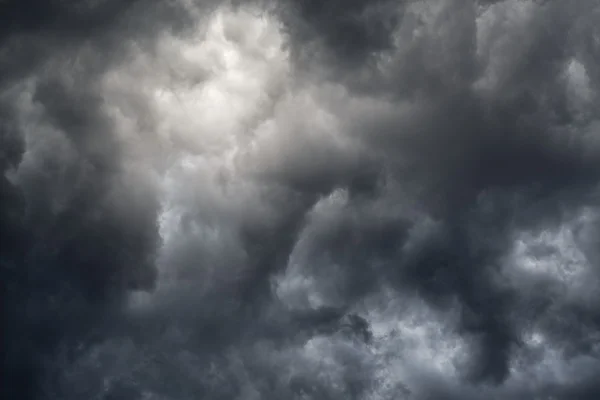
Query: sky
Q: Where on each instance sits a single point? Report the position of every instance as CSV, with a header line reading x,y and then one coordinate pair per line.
x,y
300,199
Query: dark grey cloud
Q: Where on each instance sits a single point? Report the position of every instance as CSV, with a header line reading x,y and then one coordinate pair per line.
x,y
300,199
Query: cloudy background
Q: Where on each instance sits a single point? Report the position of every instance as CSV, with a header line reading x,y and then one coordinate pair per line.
x,y
300,199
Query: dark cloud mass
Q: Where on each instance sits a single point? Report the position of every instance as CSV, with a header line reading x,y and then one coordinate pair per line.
x,y
298,199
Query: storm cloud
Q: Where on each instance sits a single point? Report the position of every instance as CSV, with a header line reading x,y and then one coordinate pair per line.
x,y
286,199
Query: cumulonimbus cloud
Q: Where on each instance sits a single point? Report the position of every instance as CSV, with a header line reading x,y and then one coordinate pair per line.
x,y
300,199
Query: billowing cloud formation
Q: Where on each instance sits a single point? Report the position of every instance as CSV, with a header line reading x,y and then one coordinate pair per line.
x,y
300,199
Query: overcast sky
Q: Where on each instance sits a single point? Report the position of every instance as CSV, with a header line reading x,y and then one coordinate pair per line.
x,y
300,199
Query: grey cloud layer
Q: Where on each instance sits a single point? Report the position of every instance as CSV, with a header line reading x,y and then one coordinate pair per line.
x,y
300,199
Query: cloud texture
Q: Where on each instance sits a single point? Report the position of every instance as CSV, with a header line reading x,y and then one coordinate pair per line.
x,y
286,199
